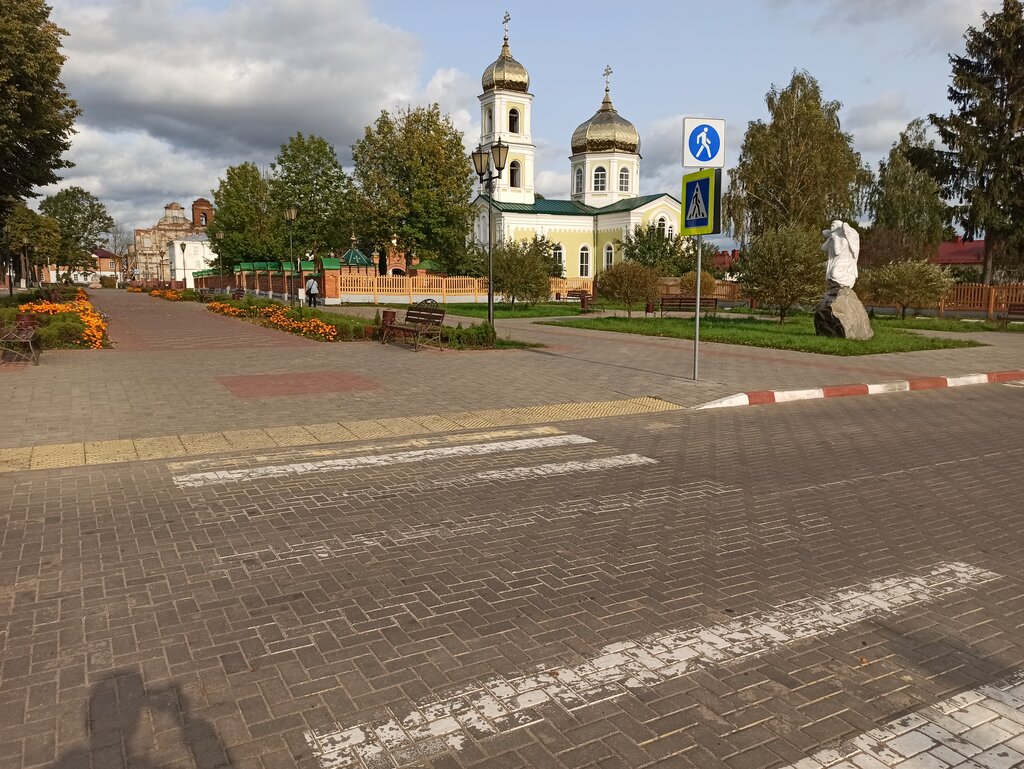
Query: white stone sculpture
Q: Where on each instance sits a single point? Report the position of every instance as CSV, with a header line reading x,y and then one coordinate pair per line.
x,y
842,244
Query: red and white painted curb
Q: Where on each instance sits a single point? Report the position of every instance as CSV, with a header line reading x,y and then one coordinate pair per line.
x,y
763,397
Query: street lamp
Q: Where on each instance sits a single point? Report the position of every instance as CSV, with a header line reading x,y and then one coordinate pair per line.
x,y
184,276
289,216
219,235
482,162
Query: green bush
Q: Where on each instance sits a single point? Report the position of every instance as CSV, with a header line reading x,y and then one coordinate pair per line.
x,y
688,284
108,281
64,330
631,283
474,336
189,295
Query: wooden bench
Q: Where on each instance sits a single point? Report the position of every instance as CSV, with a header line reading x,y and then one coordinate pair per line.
x,y
206,294
578,294
422,320
238,293
683,303
21,341
1014,311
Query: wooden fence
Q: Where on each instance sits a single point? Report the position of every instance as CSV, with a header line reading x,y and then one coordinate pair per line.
x,y
964,297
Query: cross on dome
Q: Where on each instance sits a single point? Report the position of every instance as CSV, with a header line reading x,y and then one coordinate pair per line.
x,y
607,76
505,22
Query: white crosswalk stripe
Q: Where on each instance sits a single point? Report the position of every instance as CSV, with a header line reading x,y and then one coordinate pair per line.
x,y
982,728
503,704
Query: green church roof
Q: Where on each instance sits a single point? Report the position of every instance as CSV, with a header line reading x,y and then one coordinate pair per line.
x,y
330,263
356,258
429,265
572,208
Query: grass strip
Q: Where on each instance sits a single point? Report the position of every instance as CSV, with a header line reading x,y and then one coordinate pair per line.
x,y
796,334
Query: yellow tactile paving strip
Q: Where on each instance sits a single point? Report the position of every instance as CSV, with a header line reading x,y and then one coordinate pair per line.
x,y
203,444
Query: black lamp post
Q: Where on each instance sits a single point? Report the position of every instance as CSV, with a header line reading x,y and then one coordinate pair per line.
x,y
289,216
482,163
184,274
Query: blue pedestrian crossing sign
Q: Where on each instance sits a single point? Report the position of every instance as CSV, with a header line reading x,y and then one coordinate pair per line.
x,y
703,143
702,203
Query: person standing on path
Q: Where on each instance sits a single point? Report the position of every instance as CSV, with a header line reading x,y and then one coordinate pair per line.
x,y
312,290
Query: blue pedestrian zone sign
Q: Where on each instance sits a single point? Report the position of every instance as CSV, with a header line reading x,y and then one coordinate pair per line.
x,y
705,143
702,203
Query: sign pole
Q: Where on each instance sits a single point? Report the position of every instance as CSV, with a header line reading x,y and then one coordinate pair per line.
x,y
696,308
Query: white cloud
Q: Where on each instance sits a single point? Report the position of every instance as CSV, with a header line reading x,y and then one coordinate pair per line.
x,y
931,25
875,125
172,95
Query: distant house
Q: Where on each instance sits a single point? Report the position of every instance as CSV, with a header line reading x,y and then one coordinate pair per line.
x,y
960,253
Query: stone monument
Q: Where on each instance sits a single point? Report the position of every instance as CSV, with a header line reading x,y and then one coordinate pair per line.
x,y
840,313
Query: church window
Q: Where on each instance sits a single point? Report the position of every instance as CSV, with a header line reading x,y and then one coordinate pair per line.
x,y
624,180
578,187
600,179
609,256
202,219
661,226
515,175
584,262
671,232
513,121
557,253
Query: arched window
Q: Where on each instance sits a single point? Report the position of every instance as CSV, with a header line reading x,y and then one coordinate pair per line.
x,y
671,232
202,219
661,226
515,174
584,262
624,180
578,187
609,256
513,121
559,256
600,179
490,121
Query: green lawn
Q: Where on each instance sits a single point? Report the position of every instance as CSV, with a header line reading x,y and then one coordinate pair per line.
x,y
504,310
796,334
940,324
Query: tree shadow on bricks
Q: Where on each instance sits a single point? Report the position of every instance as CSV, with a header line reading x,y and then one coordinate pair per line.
x,y
121,722
950,662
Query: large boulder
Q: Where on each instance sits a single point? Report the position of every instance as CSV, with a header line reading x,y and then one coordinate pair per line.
x,y
840,313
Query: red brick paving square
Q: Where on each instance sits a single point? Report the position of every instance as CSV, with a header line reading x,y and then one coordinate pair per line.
x,y
303,383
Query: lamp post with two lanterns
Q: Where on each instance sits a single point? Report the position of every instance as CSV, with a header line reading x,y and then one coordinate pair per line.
x,y
290,214
482,163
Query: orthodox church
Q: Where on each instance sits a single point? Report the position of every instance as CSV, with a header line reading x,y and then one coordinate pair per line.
x,y
604,202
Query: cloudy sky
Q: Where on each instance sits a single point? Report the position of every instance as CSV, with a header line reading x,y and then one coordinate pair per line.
x,y
174,92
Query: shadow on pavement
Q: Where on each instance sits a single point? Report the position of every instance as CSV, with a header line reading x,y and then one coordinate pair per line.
x,y
115,717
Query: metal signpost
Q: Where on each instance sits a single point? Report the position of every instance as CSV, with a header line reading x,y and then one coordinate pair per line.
x,y
704,148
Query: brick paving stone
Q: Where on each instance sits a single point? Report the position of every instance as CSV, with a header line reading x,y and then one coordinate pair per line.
x,y
239,617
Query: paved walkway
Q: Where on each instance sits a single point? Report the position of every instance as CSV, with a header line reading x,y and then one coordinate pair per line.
x,y
177,369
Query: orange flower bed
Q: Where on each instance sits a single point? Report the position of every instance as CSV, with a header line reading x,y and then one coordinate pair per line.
x,y
311,327
277,317
170,296
95,326
226,309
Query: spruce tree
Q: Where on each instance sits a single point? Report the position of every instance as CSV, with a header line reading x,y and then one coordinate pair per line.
x,y
983,170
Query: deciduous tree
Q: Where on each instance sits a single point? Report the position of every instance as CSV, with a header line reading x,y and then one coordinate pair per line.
x,y
630,282
248,224
522,270
782,268
798,170
414,180
83,221
906,204
651,247
306,174
983,167
907,283
36,113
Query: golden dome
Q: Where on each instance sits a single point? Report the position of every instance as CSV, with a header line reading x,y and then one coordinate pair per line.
x,y
506,73
607,131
